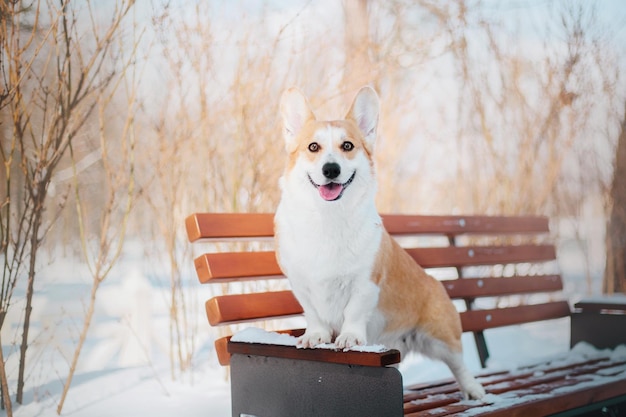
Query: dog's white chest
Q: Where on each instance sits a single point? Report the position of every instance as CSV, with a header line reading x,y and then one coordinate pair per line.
x,y
327,258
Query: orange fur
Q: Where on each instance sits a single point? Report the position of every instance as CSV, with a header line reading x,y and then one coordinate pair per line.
x,y
410,298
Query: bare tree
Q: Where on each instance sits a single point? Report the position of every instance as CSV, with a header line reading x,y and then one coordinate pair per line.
x,y
118,162
54,80
16,226
615,271
359,68
217,137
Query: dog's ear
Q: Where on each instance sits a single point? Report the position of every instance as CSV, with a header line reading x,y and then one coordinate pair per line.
x,y
364,112
295,111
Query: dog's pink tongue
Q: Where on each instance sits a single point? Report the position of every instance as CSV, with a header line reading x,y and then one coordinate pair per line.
x,y
330,191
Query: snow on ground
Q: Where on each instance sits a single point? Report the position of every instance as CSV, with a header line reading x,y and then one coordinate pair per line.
x,y
149,390
124,368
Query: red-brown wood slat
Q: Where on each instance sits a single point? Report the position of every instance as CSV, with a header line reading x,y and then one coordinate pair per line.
x,y
477,320
538,405
558,402
229,226
432,402
453,256
498,286
241,308
386,358
224,348
400,224
221,350
236,266
536,392
221,345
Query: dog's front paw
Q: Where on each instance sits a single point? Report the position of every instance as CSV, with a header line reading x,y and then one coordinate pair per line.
x,y
348,340
313,338
473,391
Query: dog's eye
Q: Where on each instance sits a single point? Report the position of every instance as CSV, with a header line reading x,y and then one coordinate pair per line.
x,y
314,147
347,146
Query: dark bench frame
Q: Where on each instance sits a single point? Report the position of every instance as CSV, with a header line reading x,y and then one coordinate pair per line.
x,y
272,380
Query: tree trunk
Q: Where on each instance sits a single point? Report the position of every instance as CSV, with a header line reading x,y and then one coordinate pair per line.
x,y
34,247
358,69
615,271
4,386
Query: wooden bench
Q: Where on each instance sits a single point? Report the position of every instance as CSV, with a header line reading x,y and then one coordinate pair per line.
x,y
501,269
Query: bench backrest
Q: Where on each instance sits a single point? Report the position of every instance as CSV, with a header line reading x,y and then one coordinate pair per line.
x,y
480,259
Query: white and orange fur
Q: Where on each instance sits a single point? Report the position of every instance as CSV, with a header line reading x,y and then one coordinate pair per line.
x,y
354,282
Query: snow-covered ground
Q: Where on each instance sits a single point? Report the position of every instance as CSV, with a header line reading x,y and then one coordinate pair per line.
x,y
124,368
149,390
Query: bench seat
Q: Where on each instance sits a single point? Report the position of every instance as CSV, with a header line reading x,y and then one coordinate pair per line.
x,y
545,388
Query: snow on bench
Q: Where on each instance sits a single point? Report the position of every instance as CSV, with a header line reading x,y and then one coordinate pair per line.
x,y
256,335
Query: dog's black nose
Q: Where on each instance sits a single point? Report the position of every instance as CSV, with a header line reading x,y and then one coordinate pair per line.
x,y
331,170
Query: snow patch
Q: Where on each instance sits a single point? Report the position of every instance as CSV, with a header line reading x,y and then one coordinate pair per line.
x,y
362,348
605,298
256,335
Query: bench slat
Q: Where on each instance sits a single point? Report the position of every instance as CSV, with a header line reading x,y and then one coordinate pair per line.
x,y
235,266
477,320
453,256
459,225
498,286
471,320
541,378
230,226
239,308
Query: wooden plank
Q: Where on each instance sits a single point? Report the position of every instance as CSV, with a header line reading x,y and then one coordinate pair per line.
x,y
228,226
221,350
386,358
236,266
239,308
452,256
556,402
530,405
432,401
498,286
477,320
459,225
530,388
221,345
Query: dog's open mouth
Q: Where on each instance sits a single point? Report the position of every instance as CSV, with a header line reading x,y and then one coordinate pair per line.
x,y
333,190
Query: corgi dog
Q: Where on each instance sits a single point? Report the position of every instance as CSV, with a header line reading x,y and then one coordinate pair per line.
x,y
356,285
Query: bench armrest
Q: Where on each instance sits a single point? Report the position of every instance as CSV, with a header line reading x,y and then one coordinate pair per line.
x,y
608,304
599,321
386,358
